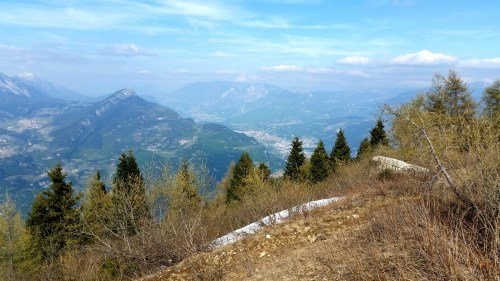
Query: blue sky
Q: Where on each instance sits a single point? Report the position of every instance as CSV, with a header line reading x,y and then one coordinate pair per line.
x,y
97,47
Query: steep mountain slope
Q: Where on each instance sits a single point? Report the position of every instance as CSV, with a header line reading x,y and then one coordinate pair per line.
x,y
32,81
218,101
19,99
87,137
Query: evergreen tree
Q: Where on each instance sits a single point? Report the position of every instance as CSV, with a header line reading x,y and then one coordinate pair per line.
x,y
264,171
54,220
13,241
295,160
129,195
491,99
378,134
243,168
450,96
128,175
364,148
319,163
341,151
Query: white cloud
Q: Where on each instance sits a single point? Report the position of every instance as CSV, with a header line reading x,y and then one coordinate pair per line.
x,y
356,60
423,57
206,9
481,63
295,68
282,67
127,50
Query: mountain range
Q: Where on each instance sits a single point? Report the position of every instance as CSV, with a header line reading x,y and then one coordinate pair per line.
x,y
274,115
38,130
42,123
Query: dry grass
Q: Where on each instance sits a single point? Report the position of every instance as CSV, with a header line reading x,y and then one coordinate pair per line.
x,y
391,228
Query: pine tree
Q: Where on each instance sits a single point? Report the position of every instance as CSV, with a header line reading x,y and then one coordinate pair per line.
x,y
491,99
128,175
129,195
264,172
54,220
243,168
450,96
364,148
378,134
295,160
341,151
319,163
13,241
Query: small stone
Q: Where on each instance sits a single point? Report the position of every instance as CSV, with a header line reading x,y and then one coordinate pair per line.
x,y
355,216
268,236
311,239
262,254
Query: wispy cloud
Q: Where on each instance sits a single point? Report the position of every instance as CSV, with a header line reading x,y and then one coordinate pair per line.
x,y
355,60
282,67
30,55
127,50
295,68
481,63
60,17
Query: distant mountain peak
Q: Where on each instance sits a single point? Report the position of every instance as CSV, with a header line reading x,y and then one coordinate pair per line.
x,y
10,86
123,94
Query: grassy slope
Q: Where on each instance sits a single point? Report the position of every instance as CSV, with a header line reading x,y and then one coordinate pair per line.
x,y
383,229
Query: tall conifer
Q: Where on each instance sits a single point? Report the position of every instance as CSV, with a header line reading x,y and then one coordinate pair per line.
x,y
54,221
243,168
341,151
320,163
378,134
295,160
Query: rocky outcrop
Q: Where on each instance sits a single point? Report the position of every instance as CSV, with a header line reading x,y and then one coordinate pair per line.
x,y
386,163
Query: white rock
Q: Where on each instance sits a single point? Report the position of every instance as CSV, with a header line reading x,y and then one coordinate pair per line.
x,y
397,165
